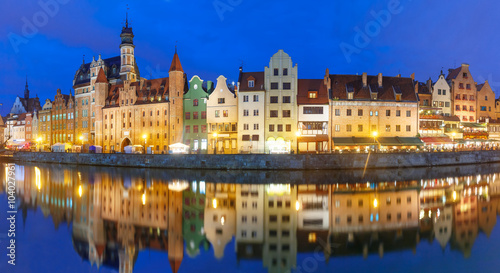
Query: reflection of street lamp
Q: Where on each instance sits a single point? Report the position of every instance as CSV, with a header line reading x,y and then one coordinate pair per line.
x,y
298,135
215,145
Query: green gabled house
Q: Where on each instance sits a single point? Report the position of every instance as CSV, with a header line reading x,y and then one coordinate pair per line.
x,y
193,211
195,115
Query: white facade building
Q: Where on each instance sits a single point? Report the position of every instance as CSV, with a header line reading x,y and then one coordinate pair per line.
x,y
251,112
281,104
441,95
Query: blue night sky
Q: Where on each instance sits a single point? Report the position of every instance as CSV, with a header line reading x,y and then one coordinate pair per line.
x,y
214,37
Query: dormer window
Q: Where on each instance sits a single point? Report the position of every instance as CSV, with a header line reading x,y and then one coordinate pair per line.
x,y
350,95
373,96
114,70
81,77
312,94
398,97
251,83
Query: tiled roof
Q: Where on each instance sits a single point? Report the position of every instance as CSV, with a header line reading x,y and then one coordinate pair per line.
x,y
423,89
453,73
109,63
479,87
306,85
145,91
451,118
257,77
176,63
32,104
390,85
101,78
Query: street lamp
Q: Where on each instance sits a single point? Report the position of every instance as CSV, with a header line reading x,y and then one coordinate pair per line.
x,y
298,135
215,145
38,140
81,139
145,137
375,134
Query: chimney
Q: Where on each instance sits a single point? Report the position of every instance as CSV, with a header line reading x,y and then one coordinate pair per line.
x,y
429,84
379,79
365,79
326,80
413,76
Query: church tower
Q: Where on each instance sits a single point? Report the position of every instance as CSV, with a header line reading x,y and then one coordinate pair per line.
x,y
127,47
26,92
177,83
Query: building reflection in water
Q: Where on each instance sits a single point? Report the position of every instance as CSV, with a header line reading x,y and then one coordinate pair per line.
x,y
115,214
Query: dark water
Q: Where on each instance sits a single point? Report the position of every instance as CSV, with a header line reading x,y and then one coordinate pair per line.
x,y
93,219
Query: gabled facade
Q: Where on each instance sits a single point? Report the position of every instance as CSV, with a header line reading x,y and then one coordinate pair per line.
x,y
195,116
313,115
441,95
485,103
251,112
25,104
45,123
281,104
63,111
463,91
222,119
366,106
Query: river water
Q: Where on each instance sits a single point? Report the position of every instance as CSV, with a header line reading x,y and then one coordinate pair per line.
x,y
103,219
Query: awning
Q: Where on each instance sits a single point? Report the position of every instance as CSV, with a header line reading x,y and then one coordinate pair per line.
x,y
464,141
437,140
473,125
400,141
353,141
312,138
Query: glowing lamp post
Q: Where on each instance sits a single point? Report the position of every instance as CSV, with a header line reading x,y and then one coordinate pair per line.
x,y
145,137
215,145
375,135
38,141
298,135
81,140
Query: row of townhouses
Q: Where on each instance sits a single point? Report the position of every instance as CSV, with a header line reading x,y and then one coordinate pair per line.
x,y
268,111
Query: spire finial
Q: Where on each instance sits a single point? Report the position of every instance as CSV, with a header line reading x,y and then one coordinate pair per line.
x,y
126,17
83,59
26,81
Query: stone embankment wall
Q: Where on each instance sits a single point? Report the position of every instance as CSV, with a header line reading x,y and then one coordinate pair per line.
x,y
268,162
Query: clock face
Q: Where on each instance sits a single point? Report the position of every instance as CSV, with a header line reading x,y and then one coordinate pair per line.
x,y
195,86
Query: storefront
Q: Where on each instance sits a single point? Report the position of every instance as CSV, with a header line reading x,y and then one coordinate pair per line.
x,y
279,145
312,144
439,143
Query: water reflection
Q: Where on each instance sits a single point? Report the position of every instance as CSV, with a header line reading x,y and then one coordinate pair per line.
x,y
116,213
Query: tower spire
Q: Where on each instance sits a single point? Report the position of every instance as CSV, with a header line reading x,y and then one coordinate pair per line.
x,y
26,90
126,18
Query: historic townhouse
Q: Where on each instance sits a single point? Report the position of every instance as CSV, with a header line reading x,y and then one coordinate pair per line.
x,y
251,112
441,95
45,124
281,105
146,112
485,103
249,217
195,115
375,110
463,91
62,112
28,128
116,70
313,116
424,91
34,127
222,119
